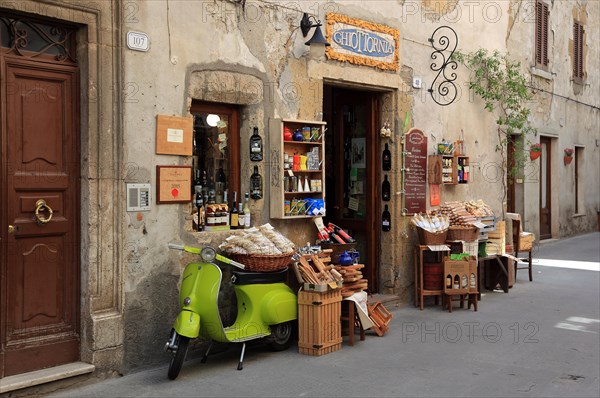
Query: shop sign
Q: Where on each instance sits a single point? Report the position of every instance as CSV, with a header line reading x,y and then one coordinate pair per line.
x,y
415,196
362,43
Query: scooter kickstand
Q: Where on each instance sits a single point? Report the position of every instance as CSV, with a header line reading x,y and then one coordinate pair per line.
x,y
205,357
240,365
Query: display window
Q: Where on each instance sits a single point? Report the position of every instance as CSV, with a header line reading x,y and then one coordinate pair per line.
x,y
216,153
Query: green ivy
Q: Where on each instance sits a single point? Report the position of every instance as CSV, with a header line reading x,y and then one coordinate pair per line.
x,y
498,81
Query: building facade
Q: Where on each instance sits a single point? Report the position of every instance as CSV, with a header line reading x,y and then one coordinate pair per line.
x,y
112,69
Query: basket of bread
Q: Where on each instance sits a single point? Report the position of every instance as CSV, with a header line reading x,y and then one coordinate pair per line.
x,y
260,249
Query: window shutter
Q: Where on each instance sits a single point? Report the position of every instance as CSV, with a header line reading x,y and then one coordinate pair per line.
x,y
546,14
538,33
542,14
577,50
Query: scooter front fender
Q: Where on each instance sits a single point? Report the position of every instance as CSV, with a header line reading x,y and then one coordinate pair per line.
x,y
187,324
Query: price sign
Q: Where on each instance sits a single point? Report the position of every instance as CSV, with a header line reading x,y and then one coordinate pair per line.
x,y
416,175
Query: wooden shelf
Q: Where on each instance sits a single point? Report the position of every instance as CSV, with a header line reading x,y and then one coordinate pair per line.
x,y
302,193
279,147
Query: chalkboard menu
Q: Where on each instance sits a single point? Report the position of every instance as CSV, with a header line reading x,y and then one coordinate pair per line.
x,y
415,179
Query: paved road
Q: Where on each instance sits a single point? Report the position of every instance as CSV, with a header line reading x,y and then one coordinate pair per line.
x,y
540,339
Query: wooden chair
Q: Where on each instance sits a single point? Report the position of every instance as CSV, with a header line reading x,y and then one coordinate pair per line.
x,y
519,247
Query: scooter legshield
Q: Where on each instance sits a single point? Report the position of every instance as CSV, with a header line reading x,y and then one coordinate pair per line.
x,y
187,324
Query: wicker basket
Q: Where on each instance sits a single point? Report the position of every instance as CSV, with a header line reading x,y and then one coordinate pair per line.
x,y
464,234
431,238
262,262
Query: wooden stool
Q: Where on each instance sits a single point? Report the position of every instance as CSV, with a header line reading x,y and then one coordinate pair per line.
x,y
350,320
470,297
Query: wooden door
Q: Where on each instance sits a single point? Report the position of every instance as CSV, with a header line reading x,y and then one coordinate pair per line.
x,y
39,317
545,190
353,173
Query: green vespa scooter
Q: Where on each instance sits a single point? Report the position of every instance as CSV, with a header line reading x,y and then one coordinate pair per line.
x,y
266,308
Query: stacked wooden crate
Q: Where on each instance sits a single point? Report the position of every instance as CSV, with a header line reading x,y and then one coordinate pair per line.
x,y
353,279
320,330
319,305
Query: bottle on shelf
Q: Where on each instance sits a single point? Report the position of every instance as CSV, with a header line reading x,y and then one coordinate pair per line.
x,y
256,185
246,210
256,151
221,181
342,233
225,208
385,189
210,216
386,159
200,211
233,215
386,220
241,216
204,185
197,183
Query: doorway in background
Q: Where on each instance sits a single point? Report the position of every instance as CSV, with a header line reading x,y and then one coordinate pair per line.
x,y
352,155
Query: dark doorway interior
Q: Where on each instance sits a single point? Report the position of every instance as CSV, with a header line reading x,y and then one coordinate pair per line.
x,y
352,155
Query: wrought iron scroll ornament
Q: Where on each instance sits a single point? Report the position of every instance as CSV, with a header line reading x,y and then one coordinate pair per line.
x,y
29,38
442,40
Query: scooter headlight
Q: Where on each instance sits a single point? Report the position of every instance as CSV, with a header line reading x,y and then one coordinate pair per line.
x,y
208,254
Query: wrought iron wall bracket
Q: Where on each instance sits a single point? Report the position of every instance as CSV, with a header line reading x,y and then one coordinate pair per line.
x,y
442,40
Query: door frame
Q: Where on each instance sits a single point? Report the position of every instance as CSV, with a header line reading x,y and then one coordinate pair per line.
x,y
42,63
371,222
548,164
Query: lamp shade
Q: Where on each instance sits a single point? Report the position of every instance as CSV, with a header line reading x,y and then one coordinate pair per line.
x,y
317,37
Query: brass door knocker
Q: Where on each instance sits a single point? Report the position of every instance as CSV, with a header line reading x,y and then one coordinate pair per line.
x,y
40,208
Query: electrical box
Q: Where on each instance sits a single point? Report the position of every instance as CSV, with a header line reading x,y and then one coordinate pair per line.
x,y
138,197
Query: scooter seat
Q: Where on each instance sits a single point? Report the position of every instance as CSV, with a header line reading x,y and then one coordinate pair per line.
x,y
251,278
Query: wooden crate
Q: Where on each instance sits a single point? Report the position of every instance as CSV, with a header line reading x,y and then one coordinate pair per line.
x,y
320,329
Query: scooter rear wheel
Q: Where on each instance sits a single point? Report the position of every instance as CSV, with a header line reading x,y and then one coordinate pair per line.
x,y
178,357
281,336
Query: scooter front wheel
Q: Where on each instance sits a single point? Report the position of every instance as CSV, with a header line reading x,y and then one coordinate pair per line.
x,y
281,336
178,356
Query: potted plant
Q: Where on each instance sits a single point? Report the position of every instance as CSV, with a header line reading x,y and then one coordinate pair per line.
x,y
535,151
568,155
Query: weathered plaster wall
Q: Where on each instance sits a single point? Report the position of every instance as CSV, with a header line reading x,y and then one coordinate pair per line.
x,y
567,122
215,50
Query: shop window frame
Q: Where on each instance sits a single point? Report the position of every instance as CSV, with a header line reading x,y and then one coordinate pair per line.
x,y
233,140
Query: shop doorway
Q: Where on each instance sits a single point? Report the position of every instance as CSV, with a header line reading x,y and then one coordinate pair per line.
x,y
352,156
39,201
545,190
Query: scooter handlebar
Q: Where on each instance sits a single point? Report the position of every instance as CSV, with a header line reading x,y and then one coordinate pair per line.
x,y
176,246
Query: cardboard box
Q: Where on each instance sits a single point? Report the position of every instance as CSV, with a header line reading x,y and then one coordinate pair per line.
x,y
526,240
457,275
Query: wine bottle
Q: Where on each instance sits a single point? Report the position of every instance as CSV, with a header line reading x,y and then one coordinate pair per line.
x,y
256,185
246,211
200,210
342,233
256,151
234,216
197,183
385,189
241,216
386,220
386,159
220,184
336,238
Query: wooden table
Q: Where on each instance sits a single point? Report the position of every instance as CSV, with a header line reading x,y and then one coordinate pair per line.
x,y
420,292
496,271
